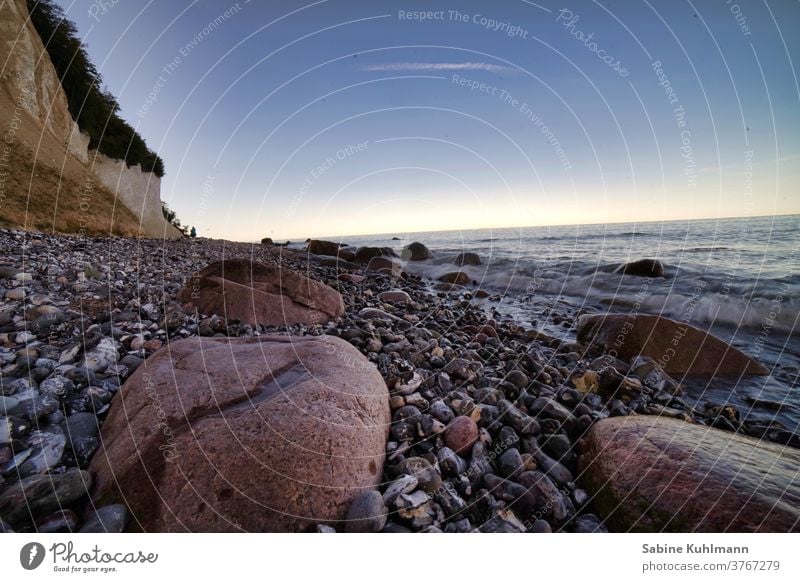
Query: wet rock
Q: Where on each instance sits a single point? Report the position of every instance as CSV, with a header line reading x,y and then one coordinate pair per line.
x,y
672,344
455,278
467,259
416,251
642,268
365,255
656,474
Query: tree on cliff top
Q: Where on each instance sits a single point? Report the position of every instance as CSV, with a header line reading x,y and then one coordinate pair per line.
x,y
95,111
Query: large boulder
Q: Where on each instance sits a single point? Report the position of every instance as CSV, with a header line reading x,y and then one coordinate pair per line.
x,y
364,255
256,293
467,259
324,248
654,474
642,268
678,348
416,251
270,434
385,265
456,278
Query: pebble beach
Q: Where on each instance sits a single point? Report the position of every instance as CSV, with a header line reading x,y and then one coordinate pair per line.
x,y
486,414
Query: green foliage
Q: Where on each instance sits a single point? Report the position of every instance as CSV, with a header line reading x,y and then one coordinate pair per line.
x,y
96,111
172,218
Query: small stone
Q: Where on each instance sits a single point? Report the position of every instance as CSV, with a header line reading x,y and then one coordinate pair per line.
x,y
510,463
516,419
450,463
541,526
48,448
42,494
461,434
57,386
403,484
505,521
518,379
24,337
395,297
588,523
102,356
367,514
428,478
64,521
107,519
16,294
7,405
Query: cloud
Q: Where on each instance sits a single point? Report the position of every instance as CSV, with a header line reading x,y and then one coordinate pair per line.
x,y
439,67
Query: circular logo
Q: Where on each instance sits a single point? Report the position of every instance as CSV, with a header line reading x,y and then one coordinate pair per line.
x,y
31,555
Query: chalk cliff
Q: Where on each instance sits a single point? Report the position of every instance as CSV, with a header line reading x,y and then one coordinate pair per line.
x,y
49,179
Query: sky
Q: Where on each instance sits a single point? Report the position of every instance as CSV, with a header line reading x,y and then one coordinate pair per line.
x,y
332,118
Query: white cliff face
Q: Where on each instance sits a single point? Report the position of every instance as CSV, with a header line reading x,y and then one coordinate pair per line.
x,y
137,190
28,75
28,71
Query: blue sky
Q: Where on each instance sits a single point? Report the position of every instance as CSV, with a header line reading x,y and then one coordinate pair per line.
x,y
300,119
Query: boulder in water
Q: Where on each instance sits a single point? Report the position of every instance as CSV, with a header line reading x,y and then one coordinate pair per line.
x,y
364,255
416,251
642,268
467,259
677,348
654,474
456,278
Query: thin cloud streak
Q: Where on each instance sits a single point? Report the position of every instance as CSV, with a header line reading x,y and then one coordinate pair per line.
x,y
469,66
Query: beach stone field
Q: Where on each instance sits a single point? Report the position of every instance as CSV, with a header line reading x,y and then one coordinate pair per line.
x,y
199,385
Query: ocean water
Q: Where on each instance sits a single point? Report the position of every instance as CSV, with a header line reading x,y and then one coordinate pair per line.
x,y
736,278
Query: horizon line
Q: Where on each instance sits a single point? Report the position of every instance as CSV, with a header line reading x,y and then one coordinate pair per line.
x,y
493,228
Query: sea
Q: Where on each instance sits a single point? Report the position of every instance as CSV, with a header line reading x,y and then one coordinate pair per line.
x,y
737,278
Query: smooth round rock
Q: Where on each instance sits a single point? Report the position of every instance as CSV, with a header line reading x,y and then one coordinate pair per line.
x,y
461,434
367,514
270,433
648,473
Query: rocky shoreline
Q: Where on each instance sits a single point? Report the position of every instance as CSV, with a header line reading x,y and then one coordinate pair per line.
x,y
487,418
